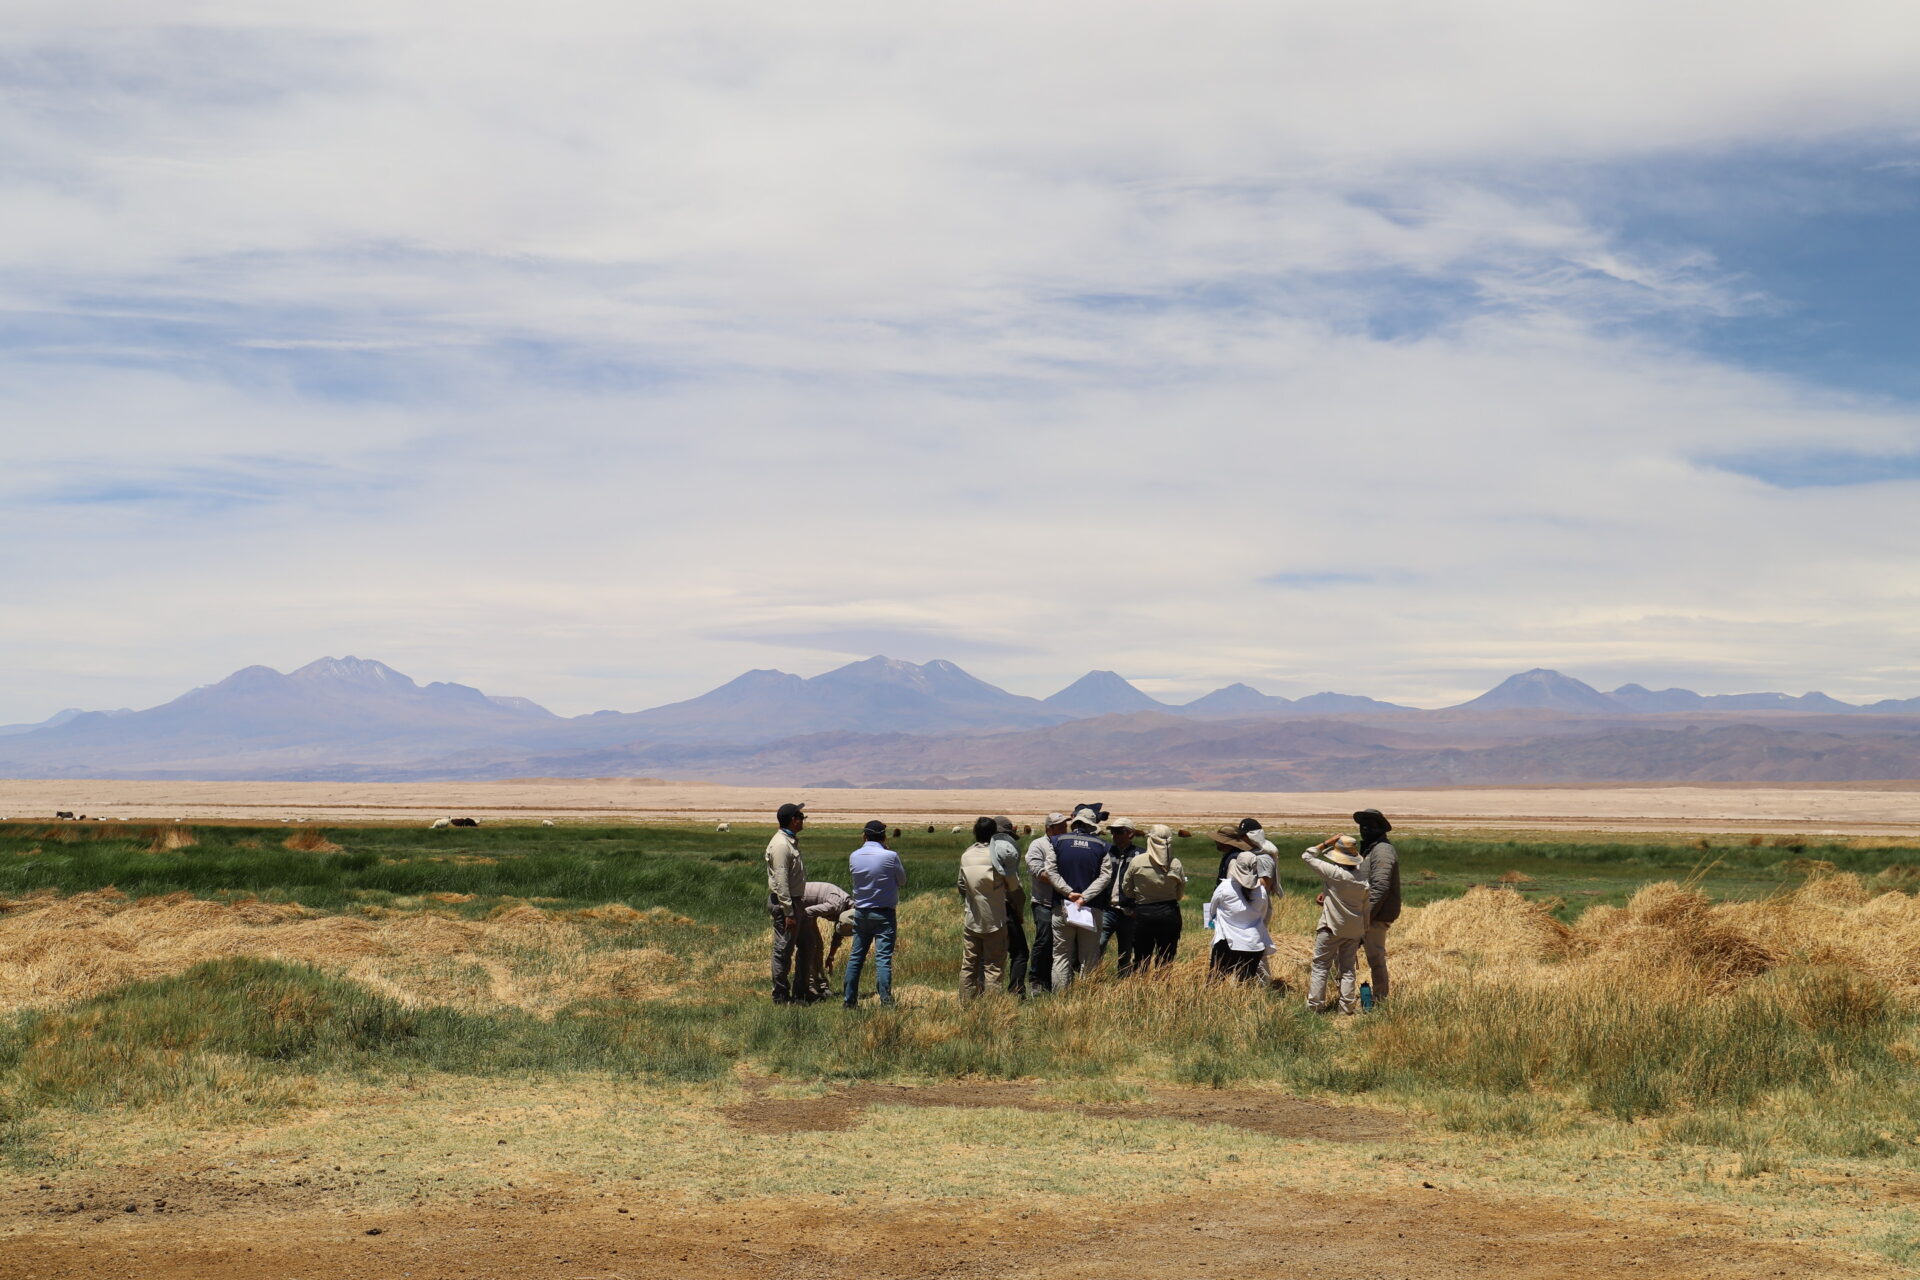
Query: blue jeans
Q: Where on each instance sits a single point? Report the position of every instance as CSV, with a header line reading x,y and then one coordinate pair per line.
x,y
873,927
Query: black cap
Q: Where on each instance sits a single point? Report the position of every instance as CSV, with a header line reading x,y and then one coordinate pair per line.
x,y
874,830
788,812
1250,824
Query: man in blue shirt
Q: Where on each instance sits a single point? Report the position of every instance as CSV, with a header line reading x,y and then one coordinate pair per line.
x,y
878,877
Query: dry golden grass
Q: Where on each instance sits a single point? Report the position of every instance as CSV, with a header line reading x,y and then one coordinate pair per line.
x,y
54,950
171,839
1668,930
309,840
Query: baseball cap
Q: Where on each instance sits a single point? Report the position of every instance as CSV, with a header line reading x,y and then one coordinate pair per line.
x,y
1122,824
788,812
1056,819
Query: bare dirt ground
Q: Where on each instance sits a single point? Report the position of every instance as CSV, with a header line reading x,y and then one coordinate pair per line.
x,y
1280,1117
1424,1231
1870,808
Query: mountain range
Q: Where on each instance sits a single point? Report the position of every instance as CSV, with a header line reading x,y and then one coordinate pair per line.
x,y
881,721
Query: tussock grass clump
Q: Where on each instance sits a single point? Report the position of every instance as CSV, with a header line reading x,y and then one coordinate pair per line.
x,y
1666,930
171,839
309,840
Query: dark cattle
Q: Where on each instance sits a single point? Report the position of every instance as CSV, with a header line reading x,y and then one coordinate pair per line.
x,y
466,822
1027,830
64,813
929,828
896,833
1185,834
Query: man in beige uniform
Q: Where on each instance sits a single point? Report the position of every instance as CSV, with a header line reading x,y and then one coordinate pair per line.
x,y
987,892
1343,921
786,887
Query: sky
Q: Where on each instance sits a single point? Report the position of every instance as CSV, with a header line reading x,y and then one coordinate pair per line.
x,y
596,352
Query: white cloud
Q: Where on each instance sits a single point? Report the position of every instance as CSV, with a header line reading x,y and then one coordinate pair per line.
x,y
1053,329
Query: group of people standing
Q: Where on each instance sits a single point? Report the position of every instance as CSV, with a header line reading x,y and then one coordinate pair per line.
x,y
1091,886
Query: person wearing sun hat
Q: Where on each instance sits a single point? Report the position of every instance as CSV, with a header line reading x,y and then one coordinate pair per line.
x,y
1343,921
1079,871
1155,882
1116,918
1380,868
1237,914
1040,975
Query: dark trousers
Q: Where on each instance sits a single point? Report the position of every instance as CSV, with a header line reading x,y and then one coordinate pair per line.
x,y
1041,976
1229,965
795,956
1116,925
874,928
1017,955
1156,933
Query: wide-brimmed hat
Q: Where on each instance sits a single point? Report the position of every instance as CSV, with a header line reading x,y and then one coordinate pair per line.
x,y
1086,817
1231,838
1244,871
1372,818
1056,820
1341,858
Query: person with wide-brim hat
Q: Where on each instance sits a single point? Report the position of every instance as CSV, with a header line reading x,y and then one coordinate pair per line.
x,y
1343,921
1154,882
1232,842
1381,870
1237,914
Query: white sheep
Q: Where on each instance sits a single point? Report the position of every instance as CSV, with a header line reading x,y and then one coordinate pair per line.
x,y
440,824
546,822
954,830
724,827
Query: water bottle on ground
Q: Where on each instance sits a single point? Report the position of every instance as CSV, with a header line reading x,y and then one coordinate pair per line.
x,y
1366,997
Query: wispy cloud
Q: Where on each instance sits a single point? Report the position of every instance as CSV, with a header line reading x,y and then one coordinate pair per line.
x,y
598,351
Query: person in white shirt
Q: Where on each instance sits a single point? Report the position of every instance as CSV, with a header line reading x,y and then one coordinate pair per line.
x,y
1343,921
1267,866
1237,914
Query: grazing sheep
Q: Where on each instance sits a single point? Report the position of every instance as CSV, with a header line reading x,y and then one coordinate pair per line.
x,y
954,830
723,828
64,813
466,822
546,822
440,824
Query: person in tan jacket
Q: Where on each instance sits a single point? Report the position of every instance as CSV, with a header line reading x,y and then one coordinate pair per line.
x,y
786,888
989,894
1343,921
1154,882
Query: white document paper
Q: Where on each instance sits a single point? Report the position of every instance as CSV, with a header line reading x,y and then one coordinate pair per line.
x,y
1080,916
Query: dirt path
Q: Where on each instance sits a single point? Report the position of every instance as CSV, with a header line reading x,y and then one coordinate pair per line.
x,y
1425,1233
1263,1112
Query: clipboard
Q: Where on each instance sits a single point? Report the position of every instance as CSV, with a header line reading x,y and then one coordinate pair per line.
x,y
1080,916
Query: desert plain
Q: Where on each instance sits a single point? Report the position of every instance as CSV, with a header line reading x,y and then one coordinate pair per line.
x,y
1870,808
